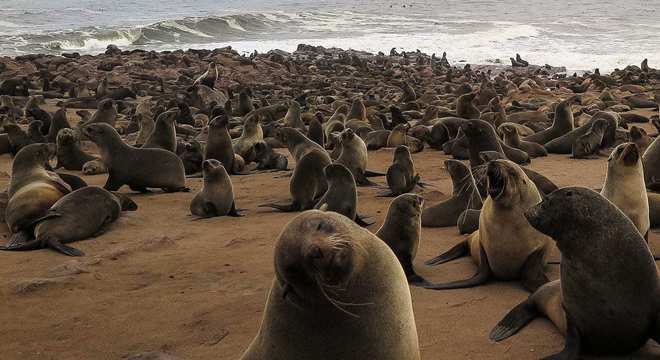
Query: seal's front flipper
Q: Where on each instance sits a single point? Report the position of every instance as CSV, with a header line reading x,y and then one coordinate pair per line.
x,y
67,250
514,321
572,344
409,270
458,251
283,207
533,271
235,212
481,277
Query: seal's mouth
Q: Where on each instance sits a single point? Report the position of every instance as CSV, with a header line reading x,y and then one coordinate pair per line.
x,y
630,155
496,180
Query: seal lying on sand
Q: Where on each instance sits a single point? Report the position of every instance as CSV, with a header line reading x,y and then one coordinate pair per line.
x,y
341,289
76,216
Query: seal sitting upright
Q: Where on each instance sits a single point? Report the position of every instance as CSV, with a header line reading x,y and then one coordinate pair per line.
x,y
138,168
339,291
608,298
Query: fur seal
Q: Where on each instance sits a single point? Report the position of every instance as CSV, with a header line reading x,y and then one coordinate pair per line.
x,y
401,175
640,137
192,157
252,133
245,105
481,136
94,167
219,145
465,196
307,184
562,123
145,116
651,161
627,315
297,143
588,145
217,195
164,134
293,117
402,230
209,77
78,215
315,131
465,108
341,196
354,157
106,112
32,188
18,139
512,138
564,143
398,136
267,159
505,246
59,122
138,168
317,254
358,111
69,154
543,184
624,185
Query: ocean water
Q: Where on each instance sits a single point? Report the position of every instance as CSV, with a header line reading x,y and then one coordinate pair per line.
x,y
579,35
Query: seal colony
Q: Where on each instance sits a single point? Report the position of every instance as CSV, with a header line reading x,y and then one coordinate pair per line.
x,y
345,130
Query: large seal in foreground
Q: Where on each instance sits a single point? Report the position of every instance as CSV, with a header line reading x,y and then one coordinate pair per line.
x,y
140,169
602,306
506,246
339,291
76,216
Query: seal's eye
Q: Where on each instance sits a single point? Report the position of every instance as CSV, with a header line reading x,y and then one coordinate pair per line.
x,y
569,193
619,150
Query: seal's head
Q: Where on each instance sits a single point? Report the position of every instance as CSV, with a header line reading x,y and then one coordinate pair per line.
x,y
507,183
34,155
213,169
406,205
100,133
637,133
66,137
625,156
315,258
337,171
508,129
401,152
221,120
106,104
347,135
456,169
169,116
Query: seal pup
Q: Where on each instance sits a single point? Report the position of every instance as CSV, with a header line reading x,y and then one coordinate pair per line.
x,y
512,138
268,159
69,154
505,246
315,131
245,104
358,111
627,316
217,195
251,134
138,168
59,122
32,188
209,77
307,183
564,143
192,157
77,216
401,175
398,136
588,145
341,196
562,124
145,117
464,196
624,186
402,231
164,133
331,278
18,139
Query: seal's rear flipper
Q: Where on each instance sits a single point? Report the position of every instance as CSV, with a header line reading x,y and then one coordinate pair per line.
x,y
413,279
458,251
481,277
282,207
67,250
361,180
235,212
514,321
369,173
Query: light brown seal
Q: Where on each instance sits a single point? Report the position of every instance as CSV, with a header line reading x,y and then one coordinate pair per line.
x,y
217,195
